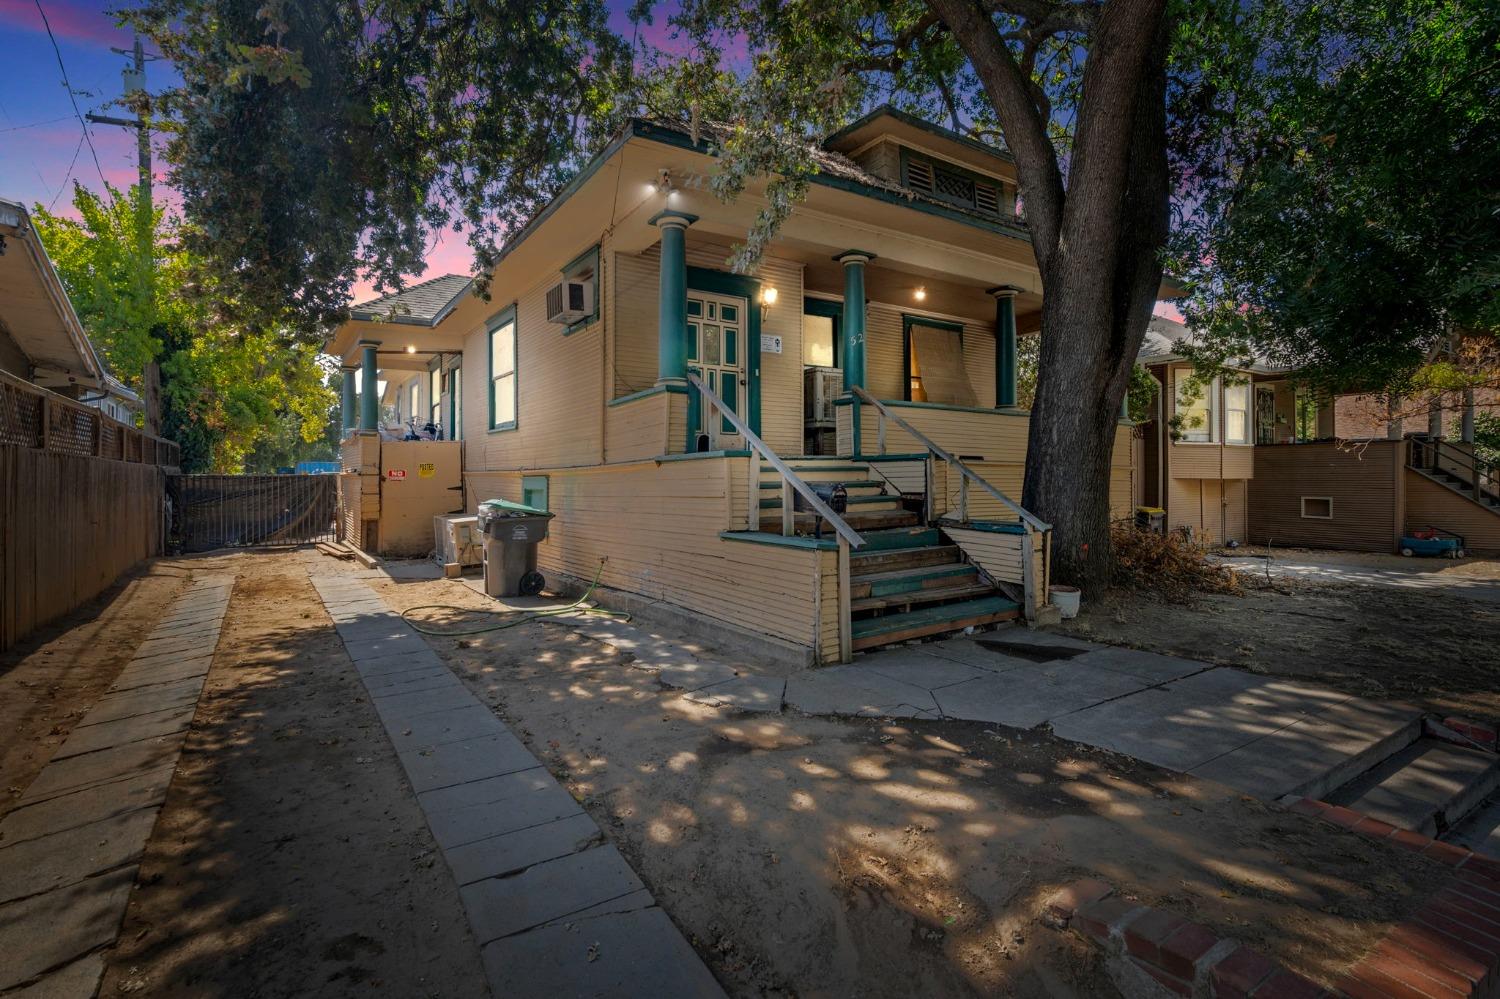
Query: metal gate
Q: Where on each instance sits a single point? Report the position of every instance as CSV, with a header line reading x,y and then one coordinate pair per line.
x,y
250,511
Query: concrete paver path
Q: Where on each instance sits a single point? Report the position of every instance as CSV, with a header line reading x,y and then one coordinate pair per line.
x,y
555,908
1261,735
70,850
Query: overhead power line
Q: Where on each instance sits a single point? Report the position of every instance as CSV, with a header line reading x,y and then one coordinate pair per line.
x,y
71,97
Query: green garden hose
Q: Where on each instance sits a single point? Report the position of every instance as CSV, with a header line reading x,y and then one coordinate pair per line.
x,y
577,605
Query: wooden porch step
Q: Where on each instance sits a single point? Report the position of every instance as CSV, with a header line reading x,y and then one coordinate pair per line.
x,y
819,473
923,595
898,538
871,632
864,562
804,522
874,501
852,485
906,581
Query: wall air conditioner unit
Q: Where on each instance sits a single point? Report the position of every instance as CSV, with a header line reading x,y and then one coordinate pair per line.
x,y
568,301
820,387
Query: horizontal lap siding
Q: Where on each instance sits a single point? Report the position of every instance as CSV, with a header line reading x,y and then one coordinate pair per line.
x,y
635,303
999,555
658,526
69,526
637,430
828,607
559,383
1431,505
1362,481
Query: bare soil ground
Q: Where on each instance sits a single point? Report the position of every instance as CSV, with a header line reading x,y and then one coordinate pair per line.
x,y
52,679
817,857
1434,649
291,858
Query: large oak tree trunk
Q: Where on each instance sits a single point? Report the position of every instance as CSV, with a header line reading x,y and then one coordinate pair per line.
x,y
1097,237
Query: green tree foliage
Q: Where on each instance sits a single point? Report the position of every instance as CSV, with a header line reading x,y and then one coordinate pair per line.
x,y
311,136
225,386
1345,217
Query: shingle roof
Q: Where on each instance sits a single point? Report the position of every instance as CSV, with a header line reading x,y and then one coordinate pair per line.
x,y
422,304
1163,341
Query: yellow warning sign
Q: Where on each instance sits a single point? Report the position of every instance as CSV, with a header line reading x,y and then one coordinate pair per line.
x,y
426,470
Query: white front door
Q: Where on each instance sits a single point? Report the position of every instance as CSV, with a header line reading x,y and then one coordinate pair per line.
x,y
716,353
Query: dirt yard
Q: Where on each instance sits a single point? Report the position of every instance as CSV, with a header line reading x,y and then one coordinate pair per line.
x,y
802,855
1426,646
290,857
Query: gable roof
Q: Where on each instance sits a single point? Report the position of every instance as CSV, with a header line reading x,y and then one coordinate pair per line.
x,y
1164,340
422,304
886,111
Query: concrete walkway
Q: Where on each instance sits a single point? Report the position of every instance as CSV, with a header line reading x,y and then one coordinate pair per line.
x,y
554,906
1263,736
1413,574
70,850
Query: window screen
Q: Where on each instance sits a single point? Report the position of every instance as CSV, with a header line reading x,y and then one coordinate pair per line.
x,y
937,367
503,375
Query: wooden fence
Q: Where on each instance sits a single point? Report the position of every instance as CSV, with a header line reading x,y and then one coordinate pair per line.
x,y
81,501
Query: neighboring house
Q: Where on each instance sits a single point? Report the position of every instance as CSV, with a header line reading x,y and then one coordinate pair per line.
x,y
41,338
402,360
116,401
662,407
1196,458
1267,461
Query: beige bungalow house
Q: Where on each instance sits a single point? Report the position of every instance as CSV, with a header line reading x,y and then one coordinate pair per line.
x,y
688,426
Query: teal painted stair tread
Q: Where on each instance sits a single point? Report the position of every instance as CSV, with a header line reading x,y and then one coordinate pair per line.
x,y
928,616
883,584
900,537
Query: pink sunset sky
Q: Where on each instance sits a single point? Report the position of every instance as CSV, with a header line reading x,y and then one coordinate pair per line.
x,y
41,152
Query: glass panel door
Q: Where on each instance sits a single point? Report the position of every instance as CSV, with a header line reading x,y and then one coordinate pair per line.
x,y
716,353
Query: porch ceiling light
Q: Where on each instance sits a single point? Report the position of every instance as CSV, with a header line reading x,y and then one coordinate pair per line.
x,y
411,348
920,294
664,181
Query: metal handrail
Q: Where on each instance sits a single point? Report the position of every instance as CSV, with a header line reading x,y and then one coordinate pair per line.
x,y
822,509
1480,472
1026,516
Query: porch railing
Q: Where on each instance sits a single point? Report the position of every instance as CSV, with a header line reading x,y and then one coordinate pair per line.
x,y
792,485
34,417
1038,536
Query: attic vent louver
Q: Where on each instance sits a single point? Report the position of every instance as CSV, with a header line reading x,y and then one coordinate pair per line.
x,y
919,175
987,199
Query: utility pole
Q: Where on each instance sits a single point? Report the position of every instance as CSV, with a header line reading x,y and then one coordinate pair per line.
x,y
134,79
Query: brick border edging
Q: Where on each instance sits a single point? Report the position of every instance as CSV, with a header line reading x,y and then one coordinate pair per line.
x,y
1448,947
1180,955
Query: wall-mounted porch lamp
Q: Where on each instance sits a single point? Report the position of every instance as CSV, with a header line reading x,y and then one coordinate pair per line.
x,y
767,299
920,294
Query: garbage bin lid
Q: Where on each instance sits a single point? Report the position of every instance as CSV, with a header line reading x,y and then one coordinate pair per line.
x,y
505,508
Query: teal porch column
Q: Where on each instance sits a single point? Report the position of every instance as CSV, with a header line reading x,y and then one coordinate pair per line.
x,y
348,390
1005,345
369,401
672,334
852,336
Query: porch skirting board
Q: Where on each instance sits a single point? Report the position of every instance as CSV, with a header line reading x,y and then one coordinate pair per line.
x,y
727,637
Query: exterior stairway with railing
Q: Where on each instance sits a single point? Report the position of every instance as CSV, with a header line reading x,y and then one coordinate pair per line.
x,y
1457,468
907,580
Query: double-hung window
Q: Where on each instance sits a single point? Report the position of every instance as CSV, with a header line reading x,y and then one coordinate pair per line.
x,y
1196,409
416,395
503,370
435,396
1237,413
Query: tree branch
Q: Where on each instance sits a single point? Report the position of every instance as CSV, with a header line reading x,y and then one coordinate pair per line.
x,y
1025,129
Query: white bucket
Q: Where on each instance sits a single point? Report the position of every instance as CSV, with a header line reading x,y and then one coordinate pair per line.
x,y
1065,599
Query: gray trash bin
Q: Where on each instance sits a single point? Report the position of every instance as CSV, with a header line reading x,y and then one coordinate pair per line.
x,y
511,533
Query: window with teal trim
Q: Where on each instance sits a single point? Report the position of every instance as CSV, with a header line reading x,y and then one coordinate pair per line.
x,y
534,491
503,371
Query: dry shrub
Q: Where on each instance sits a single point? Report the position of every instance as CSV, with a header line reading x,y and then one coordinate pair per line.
x,y
1170,564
